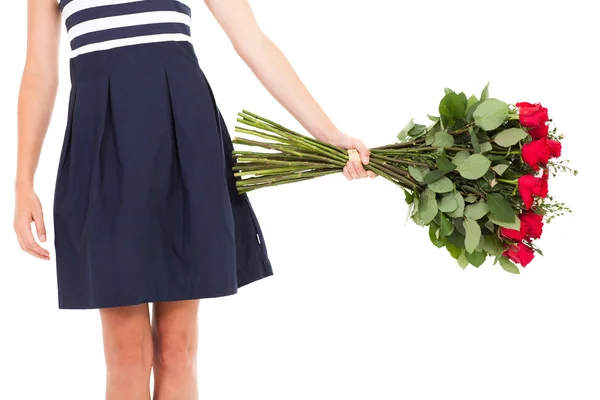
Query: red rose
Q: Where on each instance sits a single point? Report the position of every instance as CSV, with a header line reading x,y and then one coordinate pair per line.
x,y
534,224
520,253
540,151
532,115
531,227
555,148
538,132
530,186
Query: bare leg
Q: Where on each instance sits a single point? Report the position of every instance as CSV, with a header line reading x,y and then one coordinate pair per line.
x,y
175,331
128,352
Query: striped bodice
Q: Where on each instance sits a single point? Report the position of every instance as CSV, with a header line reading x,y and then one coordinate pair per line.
x,y
94,25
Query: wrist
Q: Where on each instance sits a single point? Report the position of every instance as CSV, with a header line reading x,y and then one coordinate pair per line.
x,y
328,135
23,184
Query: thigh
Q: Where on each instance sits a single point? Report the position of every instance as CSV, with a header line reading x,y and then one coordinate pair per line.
x,y
176,321
125,327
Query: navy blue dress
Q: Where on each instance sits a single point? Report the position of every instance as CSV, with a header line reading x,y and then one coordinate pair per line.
x,y
145,206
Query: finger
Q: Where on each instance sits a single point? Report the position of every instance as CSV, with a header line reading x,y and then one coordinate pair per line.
x,y
27,250
346,173
30,242
363,151
371,174
40,227
360,170
352,170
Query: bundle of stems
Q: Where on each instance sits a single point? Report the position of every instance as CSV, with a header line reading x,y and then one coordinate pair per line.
x,y
293,157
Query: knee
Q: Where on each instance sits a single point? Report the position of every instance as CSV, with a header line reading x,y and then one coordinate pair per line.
x,y
128,356
174,353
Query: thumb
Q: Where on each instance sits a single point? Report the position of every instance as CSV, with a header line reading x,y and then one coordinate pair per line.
x,y
40,227
363,151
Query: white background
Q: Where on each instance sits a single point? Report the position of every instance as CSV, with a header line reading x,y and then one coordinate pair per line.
x,y
361,305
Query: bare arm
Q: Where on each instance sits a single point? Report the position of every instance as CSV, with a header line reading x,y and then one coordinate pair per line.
x,y
274,71
36,101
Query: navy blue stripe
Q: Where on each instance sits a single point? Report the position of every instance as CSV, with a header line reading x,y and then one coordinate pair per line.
x,y
125,9
129,31
63,3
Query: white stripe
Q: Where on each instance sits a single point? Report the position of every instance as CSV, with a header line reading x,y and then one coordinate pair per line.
x,y
120,21
78,5
111,44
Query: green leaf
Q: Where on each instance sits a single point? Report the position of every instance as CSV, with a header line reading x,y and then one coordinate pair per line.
x,y
457,239
471,198
452,108
448,91
472,100
458,225
485,147
474,140
443,164
443,139
471,110
452,249
442,185
418,173
446,227
433,118
433,176
500,168
472,234
429,140
460,157
510,137
433,235
476,211
417,130
485,94
447,204
427,206
500,207
474,167
477,258
490,114
462,260
492,245
460,209
514,224
509,266
408,197
404,132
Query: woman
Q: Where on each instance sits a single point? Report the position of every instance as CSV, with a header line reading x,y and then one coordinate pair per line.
x,y
145,204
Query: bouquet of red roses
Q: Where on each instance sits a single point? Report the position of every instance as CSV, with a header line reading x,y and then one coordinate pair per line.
x,y
477,176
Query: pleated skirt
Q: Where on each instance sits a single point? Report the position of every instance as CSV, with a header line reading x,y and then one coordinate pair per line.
x,y
145,206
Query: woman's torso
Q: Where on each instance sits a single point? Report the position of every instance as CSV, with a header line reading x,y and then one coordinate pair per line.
x,y
99,25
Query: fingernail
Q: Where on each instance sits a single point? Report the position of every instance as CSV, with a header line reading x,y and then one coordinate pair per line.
x,y
365,160
43,238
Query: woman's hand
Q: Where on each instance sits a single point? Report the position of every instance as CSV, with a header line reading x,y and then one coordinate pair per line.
x,y
28,209
353,169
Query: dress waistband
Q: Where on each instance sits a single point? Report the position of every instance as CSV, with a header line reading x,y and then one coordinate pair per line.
x,y
95,25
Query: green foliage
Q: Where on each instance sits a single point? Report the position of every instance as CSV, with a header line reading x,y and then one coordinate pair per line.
x,y
477,211
443,164
474,167
418,173
443,139
427,206
492,245
509,266
452,108
490,114
442,185
447,204
485,93
460,209
515,223
433,176
472,234
463,262
446,227
510,137
460,157
471,101
476,258
500,168
500,207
